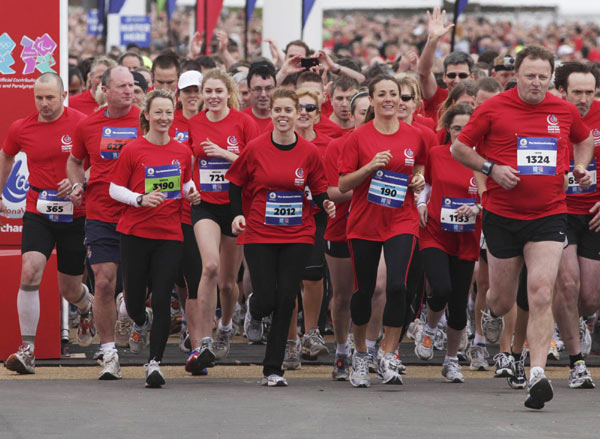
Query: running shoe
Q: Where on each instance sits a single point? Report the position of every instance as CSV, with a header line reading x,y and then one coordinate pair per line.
x,y
154,377
374,357
252,327
463,346
139,336
411,331
518,381
585,338
273,381
478,354
185,344
560,345
341,368
111,370
492,326
98,356
424,345
22,361
291,357
359,377
452,372
222,343
123,326
539,392
579,376
313,345
505,365
417,329
441,338
388,369
201,358
86,330
239,314
176,314
553,351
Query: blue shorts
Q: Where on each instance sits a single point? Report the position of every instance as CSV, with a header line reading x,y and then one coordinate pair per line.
x,y
103,242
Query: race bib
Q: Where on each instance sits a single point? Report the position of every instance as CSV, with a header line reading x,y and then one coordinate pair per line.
x,y
57,210
574,188
181,136
166,178
388,188
536,155
212,175
450,221
114,139
284,208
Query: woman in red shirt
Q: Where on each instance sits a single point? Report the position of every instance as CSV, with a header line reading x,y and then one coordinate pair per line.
x,y
217,136
152,176
277,223
382,163
451,229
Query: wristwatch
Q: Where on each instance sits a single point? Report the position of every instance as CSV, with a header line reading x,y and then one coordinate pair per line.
x,y
487,167
139,199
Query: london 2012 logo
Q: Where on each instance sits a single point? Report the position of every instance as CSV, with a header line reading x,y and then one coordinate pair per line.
x,y
17,185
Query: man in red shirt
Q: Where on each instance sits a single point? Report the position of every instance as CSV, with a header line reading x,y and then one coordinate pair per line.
x,y
521,136
86,101
261,83
458,66
100,138
342,91
577,287
165,72
49,220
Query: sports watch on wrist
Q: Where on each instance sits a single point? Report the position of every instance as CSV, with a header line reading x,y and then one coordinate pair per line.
x,y
487,167
139,199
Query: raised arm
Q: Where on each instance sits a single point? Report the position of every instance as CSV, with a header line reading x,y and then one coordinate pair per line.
x,y
436,30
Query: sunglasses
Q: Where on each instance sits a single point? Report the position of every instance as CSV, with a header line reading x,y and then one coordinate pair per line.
x,y
407,98
461,75
308,107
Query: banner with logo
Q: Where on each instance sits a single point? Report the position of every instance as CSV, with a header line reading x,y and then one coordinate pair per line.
x,y
30,44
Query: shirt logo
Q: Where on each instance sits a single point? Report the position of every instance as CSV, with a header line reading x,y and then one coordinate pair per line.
x,y
299,180
552,124
233,144
150,171
447,201
596,135
409,157
107,131
66,143
272,195
472,186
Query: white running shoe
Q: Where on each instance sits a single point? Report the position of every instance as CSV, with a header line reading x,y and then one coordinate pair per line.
x,y
492,326
222,343
139,336
273,381
452,372
579,377
388,369
154,377
111,370
86,330
539,392
123,325
359,377
252,328
22,361
313,345
424,345
505,365
291,357
585,338
478,356
553,351
413,328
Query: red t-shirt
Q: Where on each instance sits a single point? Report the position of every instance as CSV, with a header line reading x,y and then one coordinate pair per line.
x,y
273,183
141,167
232,133
326,108
373,216
452,185
580,203
101,138
328,128
47,146
502,125
429,137
431,106
264,125
179,131
84,102
425,121
336,227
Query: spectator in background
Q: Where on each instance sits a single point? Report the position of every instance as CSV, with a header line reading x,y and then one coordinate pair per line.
x,y
165,72
131,60
76,84
89,101
140,87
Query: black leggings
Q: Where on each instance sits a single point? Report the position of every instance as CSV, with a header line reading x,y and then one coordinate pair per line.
x,y
190,268
153,261
276,274
449,278
398,252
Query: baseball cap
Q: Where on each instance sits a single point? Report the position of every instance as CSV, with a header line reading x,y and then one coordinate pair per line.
x,y
189,78
140,81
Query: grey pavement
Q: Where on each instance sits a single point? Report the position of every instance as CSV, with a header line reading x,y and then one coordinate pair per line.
x,y
310,407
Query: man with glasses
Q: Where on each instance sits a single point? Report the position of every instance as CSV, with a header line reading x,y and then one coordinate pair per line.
x,y
458,66
261,82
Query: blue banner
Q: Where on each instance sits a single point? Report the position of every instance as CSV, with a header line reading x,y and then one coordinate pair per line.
x,y
461,6
94,25
135,30
114,6
170,8
250,5
306,8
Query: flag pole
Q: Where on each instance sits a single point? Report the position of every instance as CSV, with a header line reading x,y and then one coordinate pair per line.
x,y
246,20
302,21
205,51
456,2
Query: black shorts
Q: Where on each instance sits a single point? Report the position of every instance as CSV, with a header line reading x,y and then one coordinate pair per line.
x,y
506,237
315,266
219,213
579,234
103,242
41,235
337,249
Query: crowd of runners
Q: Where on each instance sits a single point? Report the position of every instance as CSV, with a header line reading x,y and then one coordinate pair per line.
x,y
279,199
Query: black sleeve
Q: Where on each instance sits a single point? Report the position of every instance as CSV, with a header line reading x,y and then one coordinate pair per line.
x,y
320,199
235,198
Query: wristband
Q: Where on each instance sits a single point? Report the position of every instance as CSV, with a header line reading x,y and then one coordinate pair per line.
x,y
580,166
421,204
75,186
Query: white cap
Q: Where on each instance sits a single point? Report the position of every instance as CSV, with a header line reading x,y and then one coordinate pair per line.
x,y
189,78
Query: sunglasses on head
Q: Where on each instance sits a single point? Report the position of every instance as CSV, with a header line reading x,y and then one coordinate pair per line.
x,y
461,75
308,107
407,98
